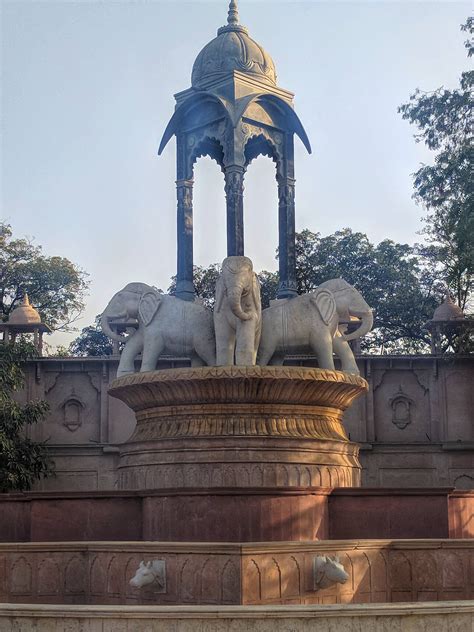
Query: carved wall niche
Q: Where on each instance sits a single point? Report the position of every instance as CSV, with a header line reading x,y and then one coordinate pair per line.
x,y
74,399
73,413
402,406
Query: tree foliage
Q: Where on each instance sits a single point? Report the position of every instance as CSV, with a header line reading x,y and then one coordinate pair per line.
x,y
395,280
445,121
22,461
204,283
56,287
91,342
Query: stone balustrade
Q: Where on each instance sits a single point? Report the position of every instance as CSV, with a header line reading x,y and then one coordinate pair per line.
x,y
259,574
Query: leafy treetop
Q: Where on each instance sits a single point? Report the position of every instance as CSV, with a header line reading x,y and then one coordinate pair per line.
x,y
56,287
446,125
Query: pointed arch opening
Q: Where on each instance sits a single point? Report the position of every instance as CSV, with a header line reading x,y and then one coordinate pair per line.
x,y
209,221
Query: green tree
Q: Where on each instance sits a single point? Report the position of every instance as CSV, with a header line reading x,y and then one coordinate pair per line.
x,y
91,342
22,461
445,189
393,278
56,287
204,283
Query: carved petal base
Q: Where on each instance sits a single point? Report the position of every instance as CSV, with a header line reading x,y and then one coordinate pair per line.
x,y
239,427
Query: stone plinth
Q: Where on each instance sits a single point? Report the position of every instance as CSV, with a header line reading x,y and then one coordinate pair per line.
x,y
239,427
454,616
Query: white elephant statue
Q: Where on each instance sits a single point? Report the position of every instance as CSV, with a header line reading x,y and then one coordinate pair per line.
x,y
294,326
237,313
166,324
311,323
350,306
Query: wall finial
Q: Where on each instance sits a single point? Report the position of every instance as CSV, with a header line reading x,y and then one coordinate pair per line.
x,y
233,14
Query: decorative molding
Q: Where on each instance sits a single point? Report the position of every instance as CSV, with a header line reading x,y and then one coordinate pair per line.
x,y
423,379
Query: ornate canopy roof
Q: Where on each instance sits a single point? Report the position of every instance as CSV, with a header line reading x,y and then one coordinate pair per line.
x,y
234,112
232,49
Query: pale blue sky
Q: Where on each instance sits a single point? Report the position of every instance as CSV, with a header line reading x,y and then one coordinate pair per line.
x,y
87,90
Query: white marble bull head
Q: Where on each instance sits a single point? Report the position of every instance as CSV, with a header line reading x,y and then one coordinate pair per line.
x,y
328,571
153,572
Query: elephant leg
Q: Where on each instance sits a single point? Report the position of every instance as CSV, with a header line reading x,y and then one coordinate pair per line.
x,y
196,360
205,349
225,353
225,343
321,344
132,348
245,351
151,353
265,355
344,352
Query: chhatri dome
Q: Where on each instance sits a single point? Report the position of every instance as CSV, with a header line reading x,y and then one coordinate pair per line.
x,y
448,310
24,314
24,319
232,49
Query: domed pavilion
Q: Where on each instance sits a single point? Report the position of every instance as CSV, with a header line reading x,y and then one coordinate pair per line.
x,y
233,112
25,319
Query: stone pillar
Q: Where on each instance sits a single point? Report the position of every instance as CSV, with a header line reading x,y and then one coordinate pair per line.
x,y
234,190
184,279
286,240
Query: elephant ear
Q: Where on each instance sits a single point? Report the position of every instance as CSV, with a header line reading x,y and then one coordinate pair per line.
x,y
324,302
220,291
256,293
149,304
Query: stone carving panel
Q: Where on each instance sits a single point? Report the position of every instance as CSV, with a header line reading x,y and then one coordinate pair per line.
x,y
49,578
21,577
74,399
75,576
401,407
230,583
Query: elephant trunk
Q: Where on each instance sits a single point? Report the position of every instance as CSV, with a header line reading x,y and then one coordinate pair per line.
x,y
367,320
104,323
234,297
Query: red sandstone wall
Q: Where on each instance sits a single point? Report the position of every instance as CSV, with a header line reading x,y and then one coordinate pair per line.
x,y
221,515
388,513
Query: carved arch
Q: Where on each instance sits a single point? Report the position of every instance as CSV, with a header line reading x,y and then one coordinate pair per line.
x,y
208,146
202,102
260,145
282,114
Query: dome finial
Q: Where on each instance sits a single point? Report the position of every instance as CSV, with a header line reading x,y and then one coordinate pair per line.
x,y
233,14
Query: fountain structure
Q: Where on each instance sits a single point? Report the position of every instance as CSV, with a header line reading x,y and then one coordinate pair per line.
x,y
239,424
239,485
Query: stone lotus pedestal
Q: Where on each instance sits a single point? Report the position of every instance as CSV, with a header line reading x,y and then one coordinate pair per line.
x,y
239,427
